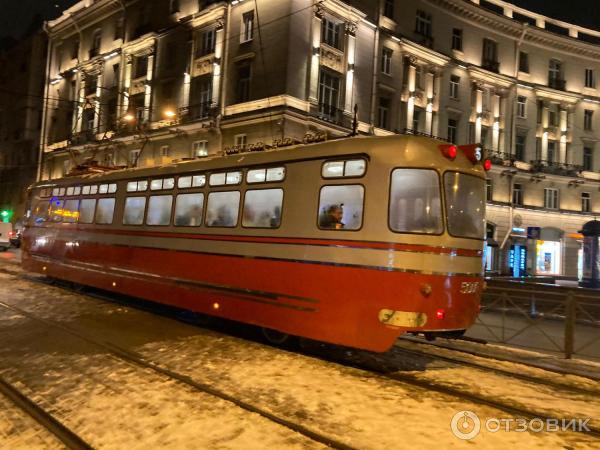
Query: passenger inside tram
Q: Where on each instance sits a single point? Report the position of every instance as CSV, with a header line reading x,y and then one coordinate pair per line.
x,y
331,218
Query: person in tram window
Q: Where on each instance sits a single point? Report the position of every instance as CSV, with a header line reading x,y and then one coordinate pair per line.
x,y
331,218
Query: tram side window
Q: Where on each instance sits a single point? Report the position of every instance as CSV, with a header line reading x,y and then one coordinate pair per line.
x,y
86,210
223,209
138,186
40,212
159,210
341,207
56,210
188,210
134,210
105,211
71,211
262,208
415,205
349,168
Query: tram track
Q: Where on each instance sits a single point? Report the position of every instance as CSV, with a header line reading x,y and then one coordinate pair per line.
x,y
374,363
67,436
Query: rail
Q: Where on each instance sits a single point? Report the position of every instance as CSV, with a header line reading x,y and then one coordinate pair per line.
x,y
545,317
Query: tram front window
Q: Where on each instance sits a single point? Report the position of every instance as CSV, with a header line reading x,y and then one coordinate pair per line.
x,y
465,205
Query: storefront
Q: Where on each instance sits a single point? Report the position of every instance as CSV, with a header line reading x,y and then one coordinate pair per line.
x,y
549,252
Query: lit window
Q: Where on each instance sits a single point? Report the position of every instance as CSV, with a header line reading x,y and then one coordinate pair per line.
x,y
220,179
262,208
341,207
86,210
247,26
159,210
188,210
134,210
105,211
349,168
223,209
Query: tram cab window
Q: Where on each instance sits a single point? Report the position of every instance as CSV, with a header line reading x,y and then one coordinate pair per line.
x,y
415,204
159,210
86,210
40,211
223,209
349,168
56,210
465,205
71,211
341,207
188,210
262,208
134,210
105,211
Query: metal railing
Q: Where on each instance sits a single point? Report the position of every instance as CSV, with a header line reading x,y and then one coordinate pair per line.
x,y
557,83
491,65
543,317
330,113
198,111
556,168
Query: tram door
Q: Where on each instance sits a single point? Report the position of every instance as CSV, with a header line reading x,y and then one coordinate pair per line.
x,y
518,260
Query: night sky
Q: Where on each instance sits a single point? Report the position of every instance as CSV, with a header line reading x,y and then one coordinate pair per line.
x,y
17,15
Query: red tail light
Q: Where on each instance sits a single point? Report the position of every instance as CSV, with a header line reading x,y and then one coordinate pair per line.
x,y
440,314
449,151
11,233
487,164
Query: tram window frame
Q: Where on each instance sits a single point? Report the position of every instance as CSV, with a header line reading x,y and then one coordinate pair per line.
x,y
343,176
70,190
137,186
43,218
61,192
148,207
54,217
55,192
143,212
71,219
112,219
103,189
94,202
197,181
94,189
442,201
226,175
112,188
362,218
188,194
154,184
85,190
265,171
77,190
281,206
206,210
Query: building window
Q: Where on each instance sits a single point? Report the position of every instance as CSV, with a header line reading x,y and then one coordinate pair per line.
x,y
247,26
173,6
454,83
551,154
416,119
523,62
141,67
383,113
96,43
240,140
517,197
520,143
490,55
452,130
588,159
330,33
164,151
386,61
588,115
134,155
590,79
521,106
119,28
199,149
423,25
75,49
489,190
457,39
551,198
243,84
388,8
329,87
555,75
586,202
207,43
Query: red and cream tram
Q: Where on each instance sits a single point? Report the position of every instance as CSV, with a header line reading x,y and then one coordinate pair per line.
x,y
352,241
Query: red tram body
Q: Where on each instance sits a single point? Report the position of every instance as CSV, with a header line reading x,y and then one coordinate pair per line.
x,y
400,259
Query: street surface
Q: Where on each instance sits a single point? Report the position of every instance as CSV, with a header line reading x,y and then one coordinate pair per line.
x,y
64,350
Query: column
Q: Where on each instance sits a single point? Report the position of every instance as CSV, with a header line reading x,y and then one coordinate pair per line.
x,y
77,119
216,80
148,93
351,58
429,82
313,93
562,155
99,81
479,112
410,105
126,84
496,126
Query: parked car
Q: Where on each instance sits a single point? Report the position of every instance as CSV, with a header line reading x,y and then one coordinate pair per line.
x,y
5,233
15,238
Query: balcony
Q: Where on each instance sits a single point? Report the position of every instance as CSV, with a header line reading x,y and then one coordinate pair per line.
x,y
556,168
491,65
330,113
141,30
557,83
198,111
500,158
93,52
83,137
424,40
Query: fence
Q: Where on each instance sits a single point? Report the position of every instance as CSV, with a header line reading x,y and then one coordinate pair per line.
x,y
543,317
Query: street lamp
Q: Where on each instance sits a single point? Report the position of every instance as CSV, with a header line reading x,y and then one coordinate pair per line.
x,y
169,113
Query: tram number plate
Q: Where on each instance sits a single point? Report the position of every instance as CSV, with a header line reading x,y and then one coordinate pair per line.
x,y
469,287
402,318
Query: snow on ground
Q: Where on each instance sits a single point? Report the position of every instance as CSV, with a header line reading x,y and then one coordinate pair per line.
x,y
115,405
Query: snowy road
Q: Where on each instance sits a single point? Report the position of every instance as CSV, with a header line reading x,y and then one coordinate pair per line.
x,y
58,352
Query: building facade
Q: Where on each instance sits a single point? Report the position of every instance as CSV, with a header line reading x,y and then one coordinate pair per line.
x,y
21,90
138,83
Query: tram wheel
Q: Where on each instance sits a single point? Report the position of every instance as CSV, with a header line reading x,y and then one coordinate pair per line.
x,y
275,337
